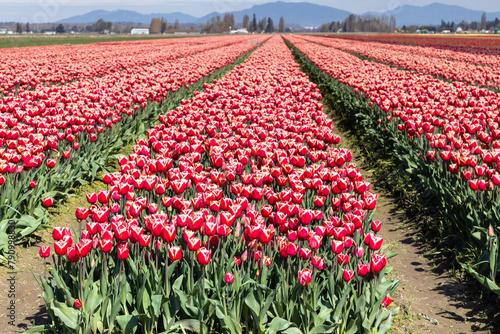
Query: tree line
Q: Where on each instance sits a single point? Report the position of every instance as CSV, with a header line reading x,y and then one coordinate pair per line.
x,y
219,25
362,23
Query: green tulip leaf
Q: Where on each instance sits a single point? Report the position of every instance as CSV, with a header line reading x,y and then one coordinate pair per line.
x,y
128,323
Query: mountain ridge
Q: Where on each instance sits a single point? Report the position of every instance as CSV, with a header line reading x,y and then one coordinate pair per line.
x,y
303,13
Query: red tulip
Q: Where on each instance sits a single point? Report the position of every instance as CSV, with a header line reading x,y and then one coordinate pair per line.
x,y
72,255
304,276
175,253
77,303
347,275
105,245
229,278
92,198
144,240
123,250
386,302
168,233
60,247
32,184
363,269
82,213
377,263
47,201
203,256
193,244
44,251
83,247
305,253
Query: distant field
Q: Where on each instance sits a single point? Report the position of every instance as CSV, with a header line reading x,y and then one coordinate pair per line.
x,y
39,40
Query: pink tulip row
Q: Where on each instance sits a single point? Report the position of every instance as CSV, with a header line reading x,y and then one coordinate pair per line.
x,y
25,68
254,157
447,64
57,117
459,122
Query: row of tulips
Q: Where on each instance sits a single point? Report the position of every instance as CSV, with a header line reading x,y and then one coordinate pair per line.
x,y
50,144
474,45
447,146
27,68
425,60
237,213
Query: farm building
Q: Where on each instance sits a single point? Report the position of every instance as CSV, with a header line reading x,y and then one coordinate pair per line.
x,y
139,31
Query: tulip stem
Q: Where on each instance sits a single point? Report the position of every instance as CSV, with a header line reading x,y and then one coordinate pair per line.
x,y
287,270
105,265
191,273
44,269
81,280
166,270
304,296
203,279
119,277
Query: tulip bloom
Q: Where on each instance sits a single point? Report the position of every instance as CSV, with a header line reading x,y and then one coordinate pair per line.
x,y
77,303
105,245
44,251
123,250
386,302
47,201
229,278
347,275
203,256
304,276
175,253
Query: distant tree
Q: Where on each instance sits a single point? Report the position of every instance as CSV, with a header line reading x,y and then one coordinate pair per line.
x,y
270,26
102,25
254,23
19,28
163,25
262,25
245,21
176,24
155,26
281,25
60,29
28,29
483,21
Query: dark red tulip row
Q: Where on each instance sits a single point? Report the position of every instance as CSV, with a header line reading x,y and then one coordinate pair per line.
x,y
474,45
253,157
459,122
449,65
27,68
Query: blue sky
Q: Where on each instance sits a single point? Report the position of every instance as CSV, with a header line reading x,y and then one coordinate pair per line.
x,y
53,10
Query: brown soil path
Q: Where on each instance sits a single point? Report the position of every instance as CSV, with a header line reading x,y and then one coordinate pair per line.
x,y
430,297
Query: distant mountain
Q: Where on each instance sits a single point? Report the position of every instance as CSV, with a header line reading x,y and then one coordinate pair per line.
x,y
127,16
434,13
302,13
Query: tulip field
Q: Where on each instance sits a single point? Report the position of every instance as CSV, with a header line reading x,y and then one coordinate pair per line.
x,y
228,202
444,132
238,211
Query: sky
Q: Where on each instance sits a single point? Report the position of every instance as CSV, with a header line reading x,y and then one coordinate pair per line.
x,y
36,11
